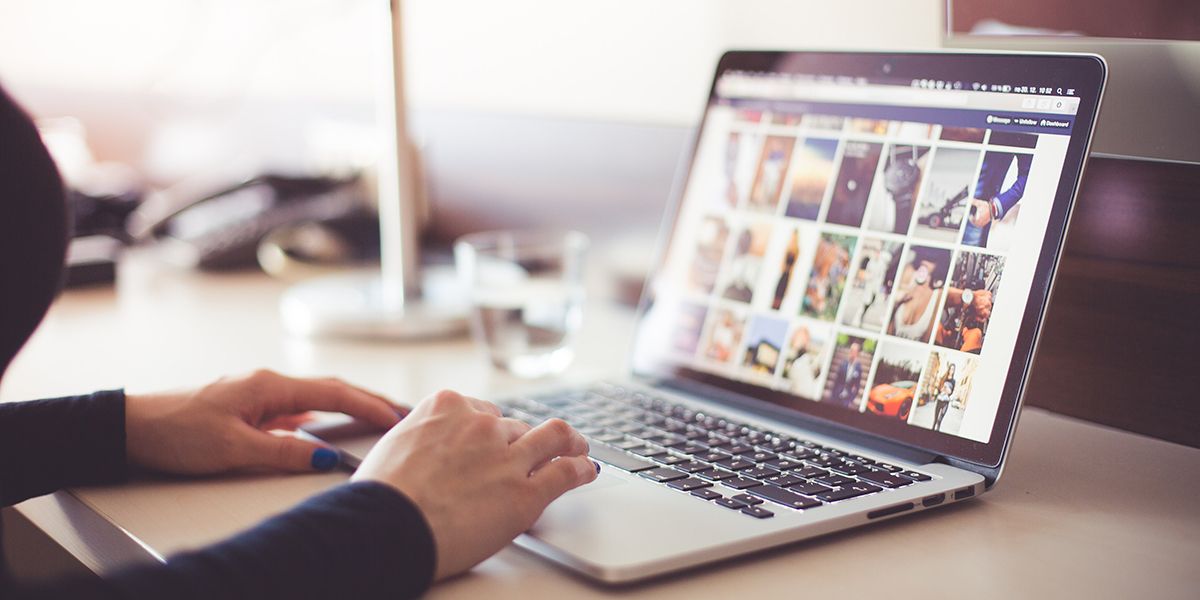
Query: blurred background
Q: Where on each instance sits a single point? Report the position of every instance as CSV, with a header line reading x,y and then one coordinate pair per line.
x,y
532,113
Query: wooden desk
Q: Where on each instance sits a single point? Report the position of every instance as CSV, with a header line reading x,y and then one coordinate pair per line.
x,y
1082,510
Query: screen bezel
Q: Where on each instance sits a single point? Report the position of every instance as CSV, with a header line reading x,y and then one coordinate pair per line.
x,y
1085,73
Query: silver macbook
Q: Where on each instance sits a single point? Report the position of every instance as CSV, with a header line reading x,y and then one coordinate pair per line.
x,y
844,311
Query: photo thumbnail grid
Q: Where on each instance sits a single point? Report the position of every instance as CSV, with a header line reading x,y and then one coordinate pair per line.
x,y
853,261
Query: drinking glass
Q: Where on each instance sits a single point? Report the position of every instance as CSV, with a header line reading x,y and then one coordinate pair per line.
x,y
526,291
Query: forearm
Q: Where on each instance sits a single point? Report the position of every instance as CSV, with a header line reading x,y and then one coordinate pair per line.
x,y
46,445
362,540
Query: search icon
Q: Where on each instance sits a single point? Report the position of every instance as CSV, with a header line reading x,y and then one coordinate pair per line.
x,y
1059,91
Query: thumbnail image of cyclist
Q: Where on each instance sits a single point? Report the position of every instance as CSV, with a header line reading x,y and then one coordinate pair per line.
x,y
992,200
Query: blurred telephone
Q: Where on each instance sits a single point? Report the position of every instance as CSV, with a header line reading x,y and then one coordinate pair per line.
x,y
222,229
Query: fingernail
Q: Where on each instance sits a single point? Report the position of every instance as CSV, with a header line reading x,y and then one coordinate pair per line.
x,y
597,467
324,459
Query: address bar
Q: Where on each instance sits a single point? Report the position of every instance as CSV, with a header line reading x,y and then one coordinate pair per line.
x,y
870,94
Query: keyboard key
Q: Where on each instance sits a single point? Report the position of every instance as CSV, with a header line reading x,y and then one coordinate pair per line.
x,y
747,498
671,440
607,454
629,443
801,453
731,503
706,494
653,420
890,468
672,459
886,479
757,512
784,480
758,473
688,484
711,456
783,464
850,491
663,474
692,448
825,460
809,488
735,463
693,466
784,497
779,444
609,436
714,443
675,426
740,483
648,451
914,475
762,456
850,468
657,438
834,480
810,472
715,475
739,448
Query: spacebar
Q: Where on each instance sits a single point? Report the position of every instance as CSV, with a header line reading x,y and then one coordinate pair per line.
x,y
607,454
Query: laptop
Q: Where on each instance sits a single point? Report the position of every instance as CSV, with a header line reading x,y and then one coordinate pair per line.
x,y
843,315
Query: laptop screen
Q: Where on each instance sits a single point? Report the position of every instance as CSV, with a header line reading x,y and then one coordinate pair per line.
x,y
869,239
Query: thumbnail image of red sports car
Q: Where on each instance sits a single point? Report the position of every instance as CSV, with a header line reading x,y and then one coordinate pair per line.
x,y
892,399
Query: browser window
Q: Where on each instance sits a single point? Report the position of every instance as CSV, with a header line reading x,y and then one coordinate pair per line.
x,y
866,244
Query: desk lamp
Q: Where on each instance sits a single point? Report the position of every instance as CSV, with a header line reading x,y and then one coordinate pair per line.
x,y
400,301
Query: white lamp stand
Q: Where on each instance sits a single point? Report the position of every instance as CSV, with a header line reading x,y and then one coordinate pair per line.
x,y
400,301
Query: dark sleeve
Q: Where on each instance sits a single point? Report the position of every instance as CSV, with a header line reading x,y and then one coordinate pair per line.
x,y
46,445
360,540
1009,198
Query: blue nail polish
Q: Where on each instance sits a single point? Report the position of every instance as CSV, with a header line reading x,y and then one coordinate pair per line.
x,y
324,459
597,467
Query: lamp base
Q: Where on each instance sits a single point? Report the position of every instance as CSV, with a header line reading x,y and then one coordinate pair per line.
x,y
352,305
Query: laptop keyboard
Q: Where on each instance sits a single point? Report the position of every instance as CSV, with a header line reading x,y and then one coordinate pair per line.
x,y
718,460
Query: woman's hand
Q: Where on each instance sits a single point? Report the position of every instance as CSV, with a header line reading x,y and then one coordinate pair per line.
x,y
224,426
478,478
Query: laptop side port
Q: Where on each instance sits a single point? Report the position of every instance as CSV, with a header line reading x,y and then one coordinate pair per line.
x,y
964,493
929,501
889,511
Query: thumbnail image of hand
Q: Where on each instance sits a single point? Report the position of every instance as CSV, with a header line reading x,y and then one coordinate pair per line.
x,y
225,425
478,478
981,212
980,309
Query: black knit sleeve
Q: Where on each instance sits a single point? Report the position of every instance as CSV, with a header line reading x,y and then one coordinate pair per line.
x,y
360,540
46,445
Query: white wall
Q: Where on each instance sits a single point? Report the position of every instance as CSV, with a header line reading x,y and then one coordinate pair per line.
x,y
629,59
180,86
